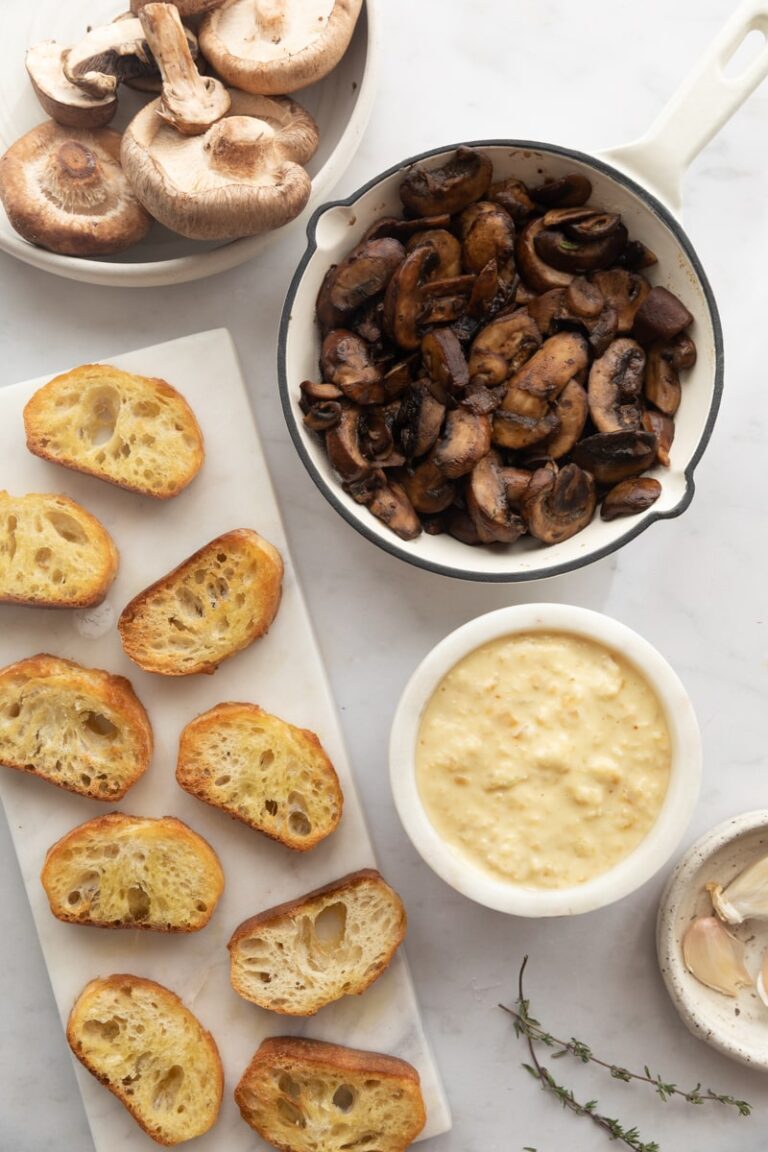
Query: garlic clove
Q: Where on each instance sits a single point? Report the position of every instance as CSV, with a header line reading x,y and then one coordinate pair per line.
x,y
762,980
745,898
715,957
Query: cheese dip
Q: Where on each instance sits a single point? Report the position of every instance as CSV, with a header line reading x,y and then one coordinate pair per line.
x,y
543,758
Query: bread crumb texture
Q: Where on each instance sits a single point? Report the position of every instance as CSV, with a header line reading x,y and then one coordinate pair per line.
x,y
146,1047
122,871
80,728
53,553
134,431
261,770
212,605
308,1096
333,942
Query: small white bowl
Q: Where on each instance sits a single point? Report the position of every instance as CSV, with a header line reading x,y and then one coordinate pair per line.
x,y
653,851
736,1027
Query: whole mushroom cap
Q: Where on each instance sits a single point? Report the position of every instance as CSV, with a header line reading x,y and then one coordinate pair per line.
x,y
63,189
62,100
242,177
277,46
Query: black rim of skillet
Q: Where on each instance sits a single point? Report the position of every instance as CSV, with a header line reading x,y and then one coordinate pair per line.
x,y
401,550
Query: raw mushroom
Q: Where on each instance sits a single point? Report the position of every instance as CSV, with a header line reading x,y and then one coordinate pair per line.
x,y
614,456
108,55
630,497
187,8
616,387
189,102
455,185
274,46
558,503
64,189
64,101
242,177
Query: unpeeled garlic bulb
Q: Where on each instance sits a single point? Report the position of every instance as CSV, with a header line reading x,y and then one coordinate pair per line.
x,y
745,898
715,957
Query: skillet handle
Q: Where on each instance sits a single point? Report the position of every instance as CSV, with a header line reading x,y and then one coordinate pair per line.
x,y
702,104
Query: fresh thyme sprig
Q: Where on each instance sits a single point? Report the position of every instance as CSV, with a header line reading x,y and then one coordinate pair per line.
x,y
526,1025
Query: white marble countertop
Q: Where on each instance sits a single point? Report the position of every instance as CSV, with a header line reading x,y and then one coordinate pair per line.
x,y
589,76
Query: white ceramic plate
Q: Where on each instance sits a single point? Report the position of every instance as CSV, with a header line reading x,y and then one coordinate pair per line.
x,y
336,228
341,105
283,672
737,1027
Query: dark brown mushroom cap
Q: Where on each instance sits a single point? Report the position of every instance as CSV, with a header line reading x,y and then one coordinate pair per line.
x,y
615,456
616,387
403,299
569,191
488,504
630,497
488,233
279,46
582,298
662,383
543,377
570,410
502,347
663,428
513,196
583,223
466,438
345,361
558,503
403,230
391,505
323,415
428,488
242,177
364,273
419,420
63,189
536,272
447,249
518,430
562,252
343,445
625,291
449,188
444,360
660,317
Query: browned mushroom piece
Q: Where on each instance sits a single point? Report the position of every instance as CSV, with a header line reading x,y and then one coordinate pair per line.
x,y
630,497
466,438
481,399
376,435
391,505
428,488
516,481
444,360
441,308
547,309
542,378
191,103
662,383
660,317
447,248
404,300
558,503
570,410
582,298
419,420
636,256
399,377
488,233
616,387
343,446
364,273
583,223
514,198
403,230
683,352
345,360
490,294
615,456
488,504
460,525
315,393
537,273
323,415
516,430
663,428
502,347
625,291
569,191
453,186
561,251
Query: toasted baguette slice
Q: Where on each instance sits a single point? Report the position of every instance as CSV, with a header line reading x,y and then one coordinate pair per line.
x,y
142,1043
134,431
81,728
333,942
53,553
263,771
307,1096
133,872
211,606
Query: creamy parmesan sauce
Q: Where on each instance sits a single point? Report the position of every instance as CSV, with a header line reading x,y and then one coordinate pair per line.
x,y
544,758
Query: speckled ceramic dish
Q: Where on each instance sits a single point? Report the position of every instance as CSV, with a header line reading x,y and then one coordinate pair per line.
x,y
736,1026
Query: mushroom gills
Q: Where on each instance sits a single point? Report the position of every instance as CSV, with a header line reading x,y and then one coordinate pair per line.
x,y
65,102
715,957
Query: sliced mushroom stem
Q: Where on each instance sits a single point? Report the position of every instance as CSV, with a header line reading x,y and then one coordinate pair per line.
x,y
190,102
236,144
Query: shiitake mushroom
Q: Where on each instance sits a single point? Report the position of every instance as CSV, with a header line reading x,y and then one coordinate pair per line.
x,y
495,363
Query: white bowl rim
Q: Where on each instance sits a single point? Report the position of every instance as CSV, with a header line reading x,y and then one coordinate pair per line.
x,y
394,546
652,852
200,265
667,932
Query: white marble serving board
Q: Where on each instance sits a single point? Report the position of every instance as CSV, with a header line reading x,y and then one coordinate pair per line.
x,y
282,672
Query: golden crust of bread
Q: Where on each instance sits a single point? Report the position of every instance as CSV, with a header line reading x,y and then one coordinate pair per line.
x,y
134,431
208,608
263,771
335,941
168,1074
301,1095
82,729
53,553
119,871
